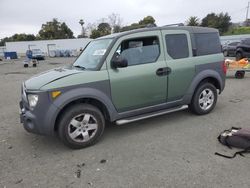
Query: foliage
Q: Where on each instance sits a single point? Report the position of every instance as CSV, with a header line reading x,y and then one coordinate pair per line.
x,y
132,27
18,37
193,21
112,24
238,31
55,30
148,20
102,30
219,21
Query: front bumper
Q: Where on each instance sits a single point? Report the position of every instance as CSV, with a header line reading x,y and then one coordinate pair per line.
x,y
28,120
41,119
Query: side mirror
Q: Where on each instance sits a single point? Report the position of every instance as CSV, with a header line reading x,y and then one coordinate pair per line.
x,y
194,50
119,63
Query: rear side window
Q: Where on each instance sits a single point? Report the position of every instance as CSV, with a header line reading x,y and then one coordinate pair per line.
x,y
177,45
246,41
207,43
233,44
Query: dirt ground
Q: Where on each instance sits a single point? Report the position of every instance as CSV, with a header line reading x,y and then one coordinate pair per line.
x,y
174,150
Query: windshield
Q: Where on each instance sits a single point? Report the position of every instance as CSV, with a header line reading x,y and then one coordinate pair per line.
x,y
36,51
92,54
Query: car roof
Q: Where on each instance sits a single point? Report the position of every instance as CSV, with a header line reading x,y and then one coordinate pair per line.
x,y
190,29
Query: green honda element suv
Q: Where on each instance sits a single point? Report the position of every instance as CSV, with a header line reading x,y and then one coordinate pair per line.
x,y
126,77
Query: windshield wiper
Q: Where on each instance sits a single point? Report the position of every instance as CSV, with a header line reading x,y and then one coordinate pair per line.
x,y
79,66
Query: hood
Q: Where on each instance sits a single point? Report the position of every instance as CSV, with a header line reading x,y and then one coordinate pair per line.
x,y
40,80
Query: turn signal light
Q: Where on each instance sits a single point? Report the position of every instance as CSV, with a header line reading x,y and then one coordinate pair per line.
x,y
55,94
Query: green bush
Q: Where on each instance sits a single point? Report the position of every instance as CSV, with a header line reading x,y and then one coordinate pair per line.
x,y
238,31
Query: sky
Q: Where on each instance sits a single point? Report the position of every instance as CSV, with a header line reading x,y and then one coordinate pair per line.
x,y
27,16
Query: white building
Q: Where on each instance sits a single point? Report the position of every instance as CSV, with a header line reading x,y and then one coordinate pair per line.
x,y
46,45
2,50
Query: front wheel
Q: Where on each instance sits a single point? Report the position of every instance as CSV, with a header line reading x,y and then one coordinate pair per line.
x,y
81,125
204,99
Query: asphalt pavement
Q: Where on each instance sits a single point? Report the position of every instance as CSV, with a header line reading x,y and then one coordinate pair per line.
x,y
174,150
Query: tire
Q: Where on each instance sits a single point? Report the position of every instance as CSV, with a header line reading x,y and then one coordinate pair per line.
x,y
225,53
238,56
240,74
204,99
81,126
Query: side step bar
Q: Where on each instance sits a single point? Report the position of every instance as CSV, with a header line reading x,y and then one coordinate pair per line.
x,y
149,115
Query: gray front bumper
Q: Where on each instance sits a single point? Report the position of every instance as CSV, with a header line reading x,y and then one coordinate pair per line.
x,y
40,120
28,120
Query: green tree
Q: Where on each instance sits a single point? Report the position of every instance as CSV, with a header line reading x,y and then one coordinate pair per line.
x,y
102,30
193,21
95,34
17,37
147,20
55,30
132,27
221,21
116,29
238,31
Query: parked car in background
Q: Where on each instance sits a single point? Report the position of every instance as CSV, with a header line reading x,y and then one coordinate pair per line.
x,y
243,49
230,49
37,54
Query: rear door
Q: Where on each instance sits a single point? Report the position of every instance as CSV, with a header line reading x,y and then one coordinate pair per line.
x,y
179,58
143,82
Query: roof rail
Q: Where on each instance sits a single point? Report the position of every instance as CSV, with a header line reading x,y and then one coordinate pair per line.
x,y
177,24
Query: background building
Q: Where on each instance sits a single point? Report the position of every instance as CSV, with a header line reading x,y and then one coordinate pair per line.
x,y
47,46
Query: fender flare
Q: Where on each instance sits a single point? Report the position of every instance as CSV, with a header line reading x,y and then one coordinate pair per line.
x,y
201,76
81,93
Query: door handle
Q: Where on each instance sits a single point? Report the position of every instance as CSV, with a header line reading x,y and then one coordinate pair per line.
x,y
163,71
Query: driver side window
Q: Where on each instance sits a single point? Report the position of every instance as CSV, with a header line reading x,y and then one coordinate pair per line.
x,y
139,50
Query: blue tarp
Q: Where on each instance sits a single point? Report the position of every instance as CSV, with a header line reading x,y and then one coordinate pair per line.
x,y
10,55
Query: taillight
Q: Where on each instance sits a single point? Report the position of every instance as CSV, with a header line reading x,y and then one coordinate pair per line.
x,y
224,68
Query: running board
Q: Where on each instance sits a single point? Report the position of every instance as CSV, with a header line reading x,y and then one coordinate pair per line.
x,y
149,115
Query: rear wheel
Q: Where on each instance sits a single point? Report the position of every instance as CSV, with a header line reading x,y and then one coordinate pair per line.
x,y
81,125
204,99
240,74
239,56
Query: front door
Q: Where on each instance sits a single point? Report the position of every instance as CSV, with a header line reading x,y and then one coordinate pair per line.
x,y
143,82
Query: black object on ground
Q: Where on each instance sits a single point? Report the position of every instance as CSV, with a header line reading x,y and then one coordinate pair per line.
x,y
235,137
103,161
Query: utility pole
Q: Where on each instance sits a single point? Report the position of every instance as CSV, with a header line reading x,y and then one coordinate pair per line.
x,y
247,11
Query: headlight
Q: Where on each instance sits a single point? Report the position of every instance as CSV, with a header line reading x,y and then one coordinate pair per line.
x,y
32,100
